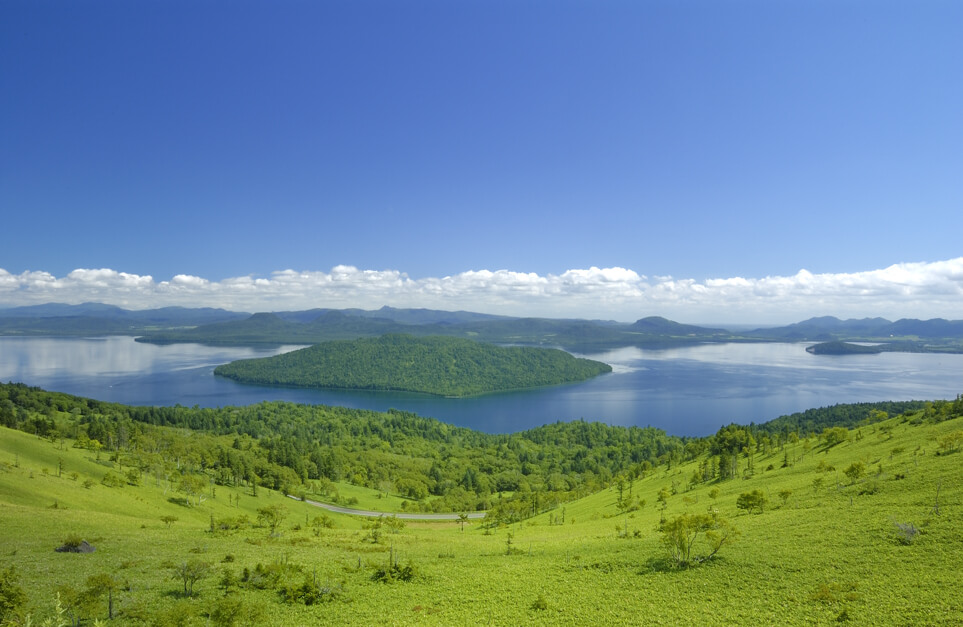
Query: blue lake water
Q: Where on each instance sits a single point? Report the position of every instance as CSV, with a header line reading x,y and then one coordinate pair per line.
x,y
685,391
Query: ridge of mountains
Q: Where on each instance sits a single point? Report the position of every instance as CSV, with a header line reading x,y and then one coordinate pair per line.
x,y
220,326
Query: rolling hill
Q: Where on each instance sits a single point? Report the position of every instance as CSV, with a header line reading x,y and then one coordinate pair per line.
x,y
858,526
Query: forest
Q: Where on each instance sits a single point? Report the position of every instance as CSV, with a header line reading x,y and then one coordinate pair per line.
x,y
191,516
442,366
303,449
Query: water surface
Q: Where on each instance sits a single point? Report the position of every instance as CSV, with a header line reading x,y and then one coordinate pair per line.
x,y
686,391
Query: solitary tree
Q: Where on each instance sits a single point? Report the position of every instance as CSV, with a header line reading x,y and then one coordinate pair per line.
x,y
271,517
695,538
751,500
855,471
190,573
663,498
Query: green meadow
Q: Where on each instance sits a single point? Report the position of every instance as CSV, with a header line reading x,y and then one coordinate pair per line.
x,y
861,527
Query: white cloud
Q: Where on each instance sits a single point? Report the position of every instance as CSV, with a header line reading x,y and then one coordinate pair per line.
x,y
918,290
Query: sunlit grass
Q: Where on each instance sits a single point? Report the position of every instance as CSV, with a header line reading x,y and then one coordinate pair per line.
x,y
824,552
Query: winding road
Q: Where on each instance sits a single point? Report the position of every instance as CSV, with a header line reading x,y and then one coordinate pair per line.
x,y
401,515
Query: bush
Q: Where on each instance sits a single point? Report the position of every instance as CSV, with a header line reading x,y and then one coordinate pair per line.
x,y
310,592
855,471
394,572
232,610
870,487
113,480
12,595
906,533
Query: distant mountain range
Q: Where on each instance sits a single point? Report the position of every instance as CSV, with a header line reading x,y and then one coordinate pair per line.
x,y
96,318
828,328
219,326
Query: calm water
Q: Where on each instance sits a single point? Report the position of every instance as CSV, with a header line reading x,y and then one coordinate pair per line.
x,y
686,391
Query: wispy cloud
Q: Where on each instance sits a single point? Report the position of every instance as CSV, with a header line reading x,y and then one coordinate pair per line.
x,y
920,290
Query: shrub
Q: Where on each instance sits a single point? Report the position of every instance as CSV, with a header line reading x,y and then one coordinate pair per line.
x,y
113,480
12,595
310,592
870,487
855,471
906,533
394,572
237,612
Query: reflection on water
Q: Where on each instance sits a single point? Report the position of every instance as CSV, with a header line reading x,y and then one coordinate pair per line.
x,y
686,391
24,359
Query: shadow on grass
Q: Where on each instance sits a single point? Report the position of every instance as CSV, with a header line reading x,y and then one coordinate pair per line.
x,y
663,564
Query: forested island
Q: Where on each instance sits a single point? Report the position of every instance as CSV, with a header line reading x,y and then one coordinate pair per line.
x,y
441,366
839,347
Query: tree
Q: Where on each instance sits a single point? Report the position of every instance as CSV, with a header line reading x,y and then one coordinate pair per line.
x,y
191,572
271,517
835,435
103,583
319,522
663,498
192,485
682,535
855,471
784,494
463,518
751,500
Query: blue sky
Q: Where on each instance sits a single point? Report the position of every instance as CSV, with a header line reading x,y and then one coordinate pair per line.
x,y
706,161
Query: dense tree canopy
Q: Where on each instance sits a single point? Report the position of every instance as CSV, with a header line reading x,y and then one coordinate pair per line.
x,y
440,467
443,366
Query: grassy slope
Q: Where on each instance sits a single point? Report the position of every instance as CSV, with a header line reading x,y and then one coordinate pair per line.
x,y
825,552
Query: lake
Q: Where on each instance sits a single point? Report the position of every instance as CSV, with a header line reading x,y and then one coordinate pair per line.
x,y
690,390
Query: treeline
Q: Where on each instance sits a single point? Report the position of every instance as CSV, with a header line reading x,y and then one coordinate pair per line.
x,y
306,449
844,415
443,366
297,448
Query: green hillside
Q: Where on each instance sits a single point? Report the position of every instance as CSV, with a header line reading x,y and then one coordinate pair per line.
x,y
442,366
858,526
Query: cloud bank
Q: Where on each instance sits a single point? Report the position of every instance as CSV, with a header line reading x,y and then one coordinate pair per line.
x,y
911,290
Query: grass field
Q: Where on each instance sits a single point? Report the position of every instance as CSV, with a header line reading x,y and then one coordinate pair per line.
x,y
826,548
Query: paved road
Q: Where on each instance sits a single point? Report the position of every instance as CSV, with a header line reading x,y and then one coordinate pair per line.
x,y
405,516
